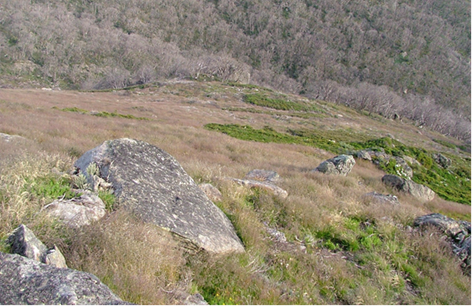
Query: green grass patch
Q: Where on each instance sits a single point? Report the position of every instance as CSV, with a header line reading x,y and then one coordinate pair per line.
x,y
261,100
50,187
101,114
108,199
73,109
115,114
452,184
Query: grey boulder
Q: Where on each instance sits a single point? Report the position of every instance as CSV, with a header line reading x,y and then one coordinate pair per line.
x,y
23,242
152,184
24,281
79,211
339,165
408,186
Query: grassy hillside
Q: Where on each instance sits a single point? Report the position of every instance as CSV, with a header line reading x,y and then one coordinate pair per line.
x,y
341,248
408,58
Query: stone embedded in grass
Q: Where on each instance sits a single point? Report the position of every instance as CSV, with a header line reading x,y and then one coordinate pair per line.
x,y
262,175
382,198
152,184
212,192
458,231
442,160
339,165
10,138
23,242
267,186
408,186
78,211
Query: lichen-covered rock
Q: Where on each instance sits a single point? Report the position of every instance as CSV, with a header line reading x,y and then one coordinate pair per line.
x,y
459,233
268,186
363,154
339,165
382,198
78,211
442,160
419,191
403,168
23,242
262,175
24,281
149,182
212,192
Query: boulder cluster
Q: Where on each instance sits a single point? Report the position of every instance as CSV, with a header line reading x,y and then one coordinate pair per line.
x,y
151,184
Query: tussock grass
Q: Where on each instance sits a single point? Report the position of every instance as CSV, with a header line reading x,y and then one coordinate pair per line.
x,y
340,249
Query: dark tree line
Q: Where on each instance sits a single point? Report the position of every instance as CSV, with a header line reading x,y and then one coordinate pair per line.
x,y
385,56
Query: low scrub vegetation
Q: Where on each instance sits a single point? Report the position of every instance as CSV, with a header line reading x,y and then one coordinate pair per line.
x,y
326,243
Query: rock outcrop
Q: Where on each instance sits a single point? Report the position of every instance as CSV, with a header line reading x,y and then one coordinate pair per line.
x,y
408,186
23,242
78,211
459,232
339,165
149,182
26,281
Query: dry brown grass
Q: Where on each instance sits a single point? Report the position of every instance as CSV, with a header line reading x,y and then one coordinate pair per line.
x,y
144,265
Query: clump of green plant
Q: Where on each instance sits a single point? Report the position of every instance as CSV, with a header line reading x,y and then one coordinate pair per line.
x,y
50,187
80,182
108,199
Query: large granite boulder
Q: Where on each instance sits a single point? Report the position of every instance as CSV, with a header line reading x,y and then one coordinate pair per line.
x,y
459,233
339,165
408,186
24,281
149,182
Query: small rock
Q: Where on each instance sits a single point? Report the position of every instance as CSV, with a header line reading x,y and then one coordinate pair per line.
x,y
419,191
23,242
339,165
212,192
363,154
262,175
442,160
79,211
383,198
261,185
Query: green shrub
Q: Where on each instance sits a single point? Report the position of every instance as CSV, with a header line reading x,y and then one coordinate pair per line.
x,y
50,187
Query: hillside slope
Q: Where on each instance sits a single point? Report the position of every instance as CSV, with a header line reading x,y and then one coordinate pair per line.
x,y
404,57
326,243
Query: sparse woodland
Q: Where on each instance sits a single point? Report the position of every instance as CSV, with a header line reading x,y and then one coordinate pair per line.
x,y
398,58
